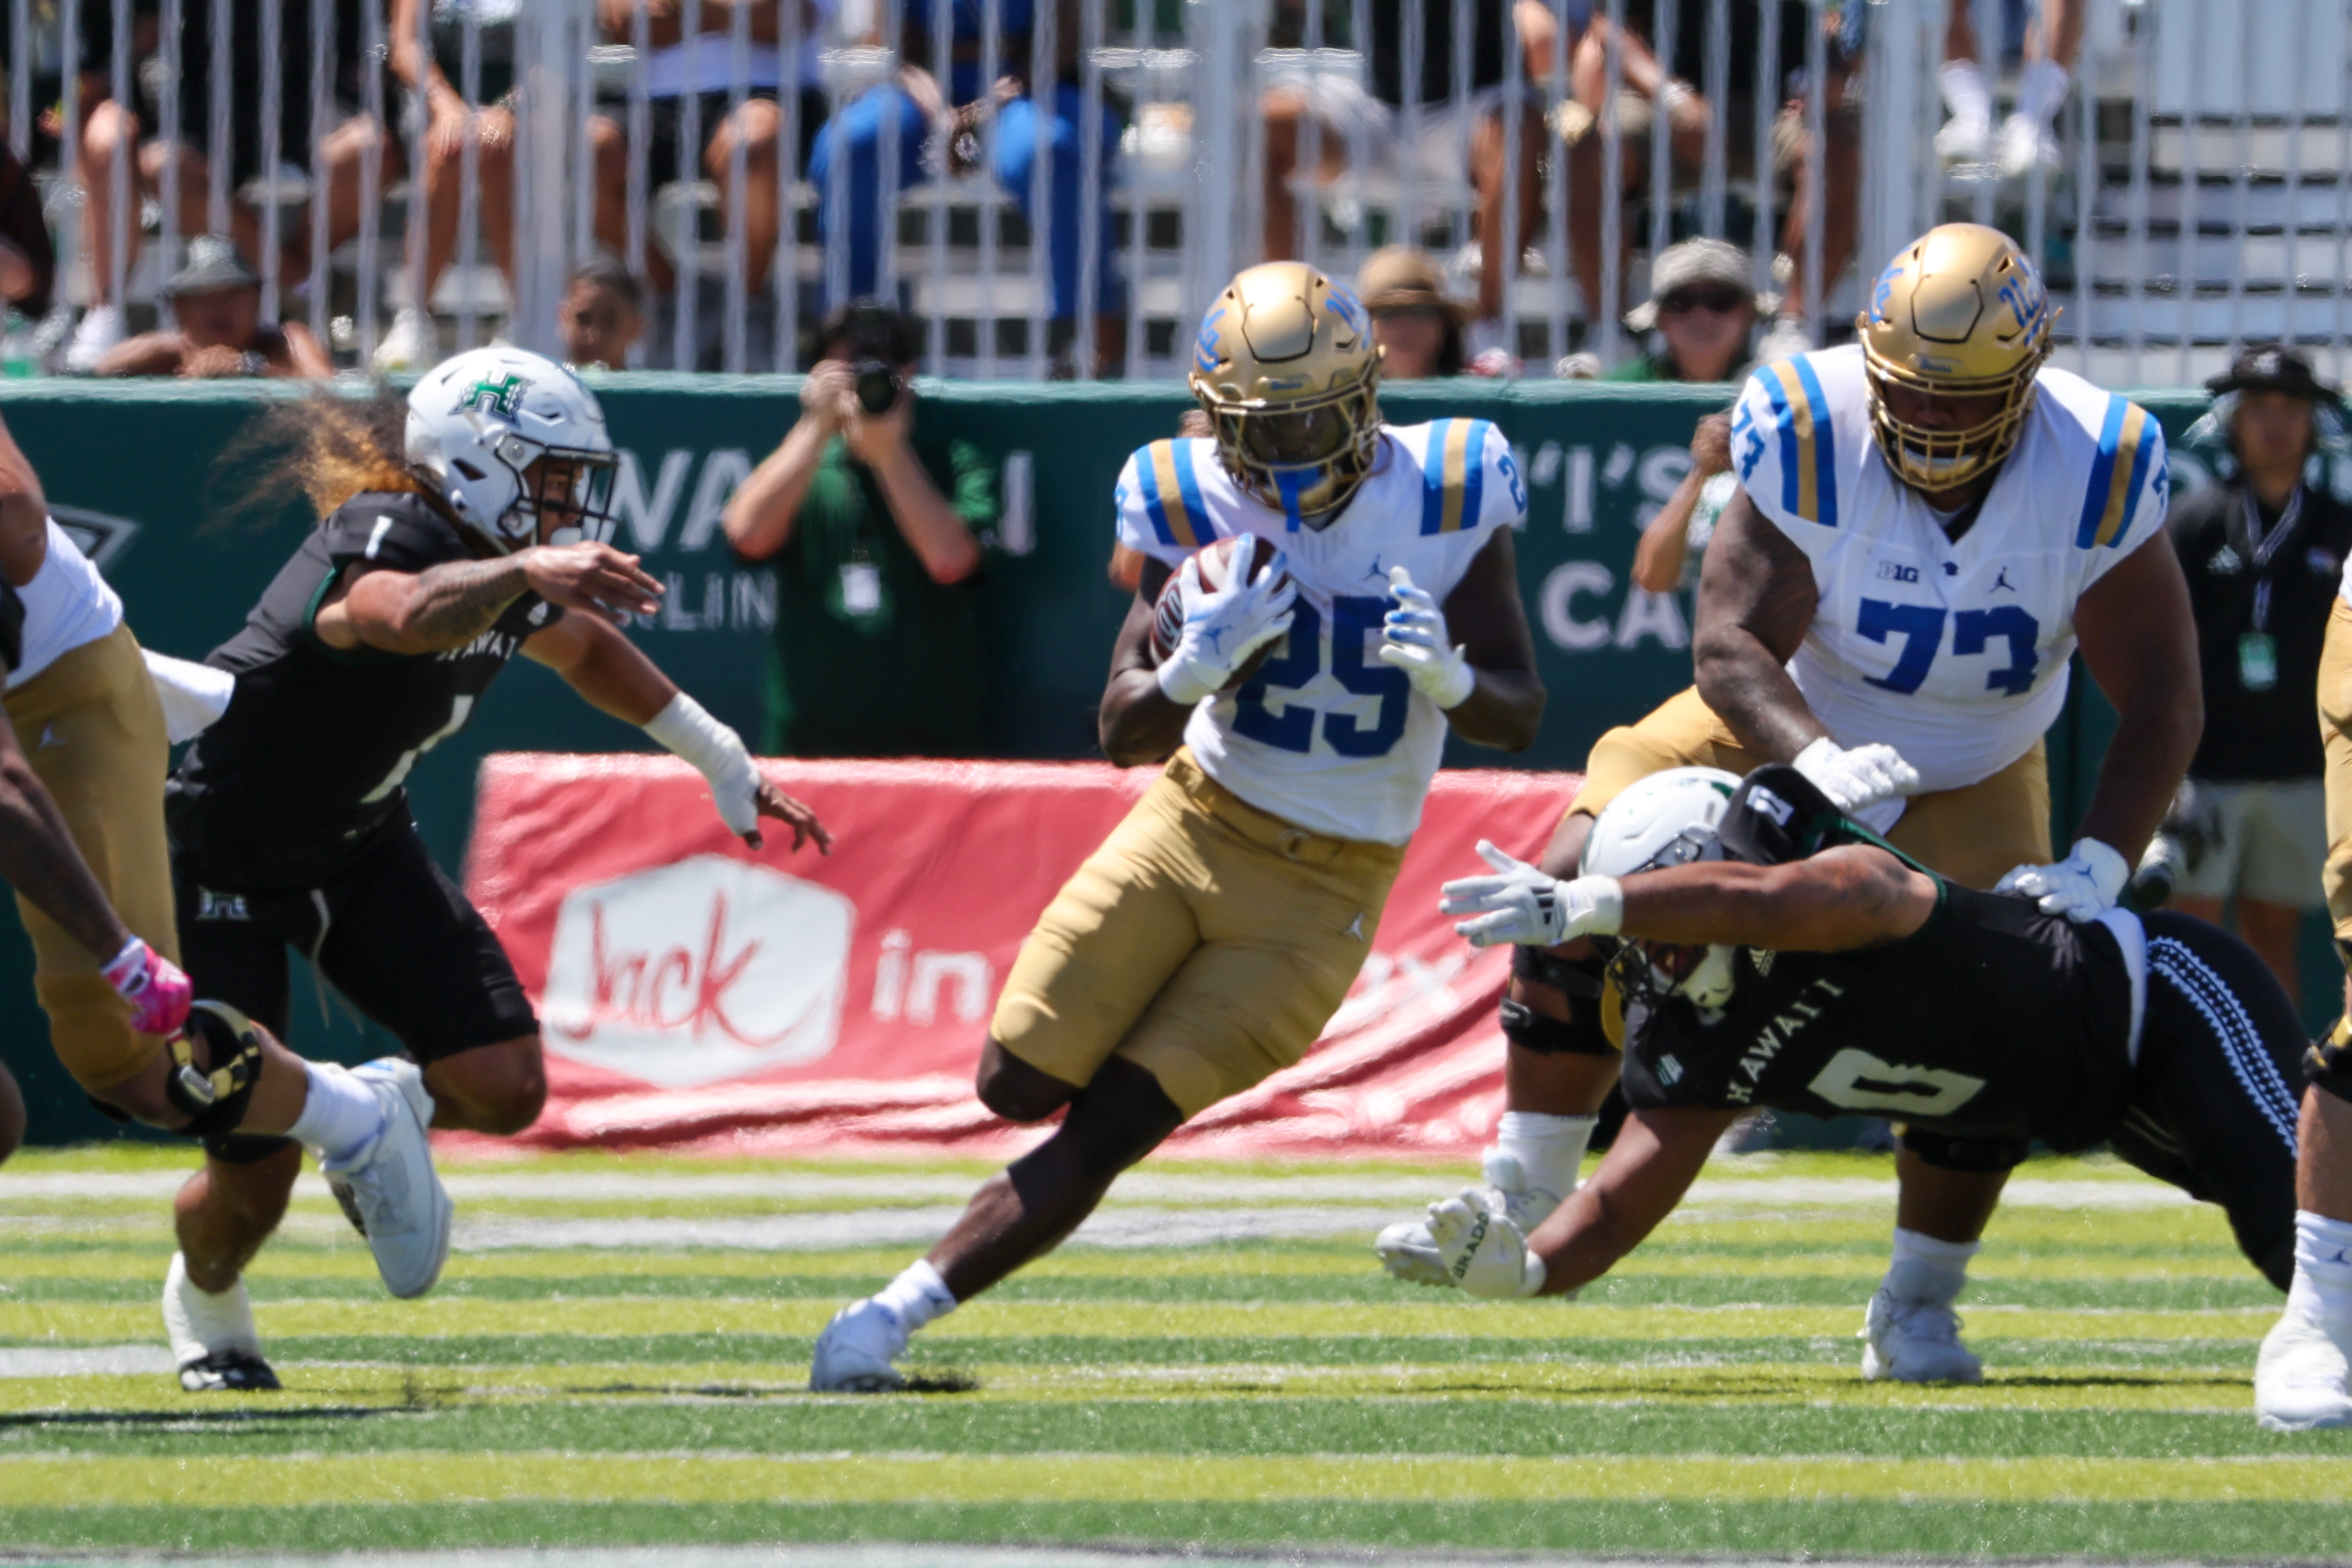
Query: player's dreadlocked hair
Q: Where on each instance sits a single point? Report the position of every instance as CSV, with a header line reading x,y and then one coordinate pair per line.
x,y
318,451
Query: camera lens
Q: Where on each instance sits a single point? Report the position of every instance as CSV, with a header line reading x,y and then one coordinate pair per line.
x,y
877,387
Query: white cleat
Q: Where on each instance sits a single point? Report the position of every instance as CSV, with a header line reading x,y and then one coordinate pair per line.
x,y
854,1352
1408,1251
2025,142
98,331
413,344
1914,1341
214,1340
1964,140
2303,1378
390,1190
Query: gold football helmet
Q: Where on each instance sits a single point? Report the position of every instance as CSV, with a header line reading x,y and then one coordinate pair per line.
x,y
1960,313
1287,368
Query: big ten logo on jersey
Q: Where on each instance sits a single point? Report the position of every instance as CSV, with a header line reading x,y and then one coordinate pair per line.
x,y
695,973
1586,605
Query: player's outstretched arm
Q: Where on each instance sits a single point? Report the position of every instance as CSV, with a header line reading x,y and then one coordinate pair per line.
x,y
2138,637
1138,723
1656,1156
449,605
612,674
1756,597
1855,896
1504,707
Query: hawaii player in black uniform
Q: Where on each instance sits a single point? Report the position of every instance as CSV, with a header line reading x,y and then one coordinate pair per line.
x,y
449,546
1769,948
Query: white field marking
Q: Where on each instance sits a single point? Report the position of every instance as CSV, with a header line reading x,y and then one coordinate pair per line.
x,y
90,1360
1143,1187
877,1556
870,1227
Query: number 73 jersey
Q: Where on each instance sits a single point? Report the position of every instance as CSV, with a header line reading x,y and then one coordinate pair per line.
x,y
1327,736
1953,653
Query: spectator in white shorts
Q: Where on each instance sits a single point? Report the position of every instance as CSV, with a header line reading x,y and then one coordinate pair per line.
x,y
2265,551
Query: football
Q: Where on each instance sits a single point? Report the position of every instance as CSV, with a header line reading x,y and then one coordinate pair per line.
x,y
1216,561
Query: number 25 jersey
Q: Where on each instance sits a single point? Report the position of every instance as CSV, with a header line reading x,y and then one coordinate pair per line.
x,y
1326,736
1955,653
311,756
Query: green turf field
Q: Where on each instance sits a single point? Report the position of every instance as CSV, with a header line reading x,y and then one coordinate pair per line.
x,y
618,1352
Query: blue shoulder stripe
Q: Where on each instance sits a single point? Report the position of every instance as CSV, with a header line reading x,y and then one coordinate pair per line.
x,y
1188,484
1147,481
2150,439
1791,498
1433,478
1824,444
1474,473
2102,474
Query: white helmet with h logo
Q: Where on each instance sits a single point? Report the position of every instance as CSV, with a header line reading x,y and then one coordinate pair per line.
x,y
478,421
1669,819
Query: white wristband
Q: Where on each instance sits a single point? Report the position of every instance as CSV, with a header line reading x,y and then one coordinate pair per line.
x,y
1179,684
686,729
1608,896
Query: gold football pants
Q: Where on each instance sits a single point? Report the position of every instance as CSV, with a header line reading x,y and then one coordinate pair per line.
x,y
92,729
1206,941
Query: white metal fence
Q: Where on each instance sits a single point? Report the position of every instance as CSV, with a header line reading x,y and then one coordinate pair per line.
x,y
1145,149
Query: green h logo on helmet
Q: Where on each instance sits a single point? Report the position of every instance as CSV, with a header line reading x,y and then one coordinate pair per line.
x,y
497,397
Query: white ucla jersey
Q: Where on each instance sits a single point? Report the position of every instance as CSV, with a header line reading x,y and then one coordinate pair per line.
x,y
1953,653
1327,736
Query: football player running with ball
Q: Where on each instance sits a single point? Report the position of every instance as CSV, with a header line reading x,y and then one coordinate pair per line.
x,y
1838,963
1928,524
452,540
1208,941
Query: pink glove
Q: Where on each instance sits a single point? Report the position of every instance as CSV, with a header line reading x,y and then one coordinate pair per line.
x,y
158,991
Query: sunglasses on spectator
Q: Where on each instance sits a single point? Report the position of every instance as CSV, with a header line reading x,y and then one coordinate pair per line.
x,y
1405,312
1722,302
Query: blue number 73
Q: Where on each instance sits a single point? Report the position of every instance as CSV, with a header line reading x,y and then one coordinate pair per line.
x,y
1921,627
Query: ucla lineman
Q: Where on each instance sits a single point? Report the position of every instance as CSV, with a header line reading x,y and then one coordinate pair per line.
x,y
1927,524
1210,938
451,540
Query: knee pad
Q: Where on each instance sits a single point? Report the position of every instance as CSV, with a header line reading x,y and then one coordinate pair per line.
x,y
213,1093
243,1148
1584,1032
2328,1062
1579,977
1947,1152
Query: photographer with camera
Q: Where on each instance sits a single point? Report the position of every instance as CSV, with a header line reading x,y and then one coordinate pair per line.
x,y
871,527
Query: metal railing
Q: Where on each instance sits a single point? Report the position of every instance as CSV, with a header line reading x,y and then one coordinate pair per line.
x,y
1077,223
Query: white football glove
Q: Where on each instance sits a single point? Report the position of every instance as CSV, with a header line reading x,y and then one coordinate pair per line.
x,y
1519,903
1223,628
1857,780
717,752
2081,887
1415,640
1484,1252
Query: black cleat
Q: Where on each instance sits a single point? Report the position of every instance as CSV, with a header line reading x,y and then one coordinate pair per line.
x,y
229,1371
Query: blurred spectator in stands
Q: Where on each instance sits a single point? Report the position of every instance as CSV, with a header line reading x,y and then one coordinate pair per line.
x,y
1644,85
217,299
871,529
952,113
1672,542
1703,306
602,314
112,132
1413,121
701,68
28,264
1418,326
1786,79
2053,42
2264,554
430,81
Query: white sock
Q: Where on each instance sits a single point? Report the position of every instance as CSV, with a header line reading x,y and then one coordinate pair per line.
x,y
1966,94
917,1296
1549,1149
1926,1269
341,1116
2041,88
2323,1266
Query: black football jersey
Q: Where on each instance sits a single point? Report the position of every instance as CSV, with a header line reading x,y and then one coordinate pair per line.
x,y
1991,1020
312,755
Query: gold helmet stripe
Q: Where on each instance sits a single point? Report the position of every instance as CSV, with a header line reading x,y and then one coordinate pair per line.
x,y
2116,478
1171,494
1807,446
